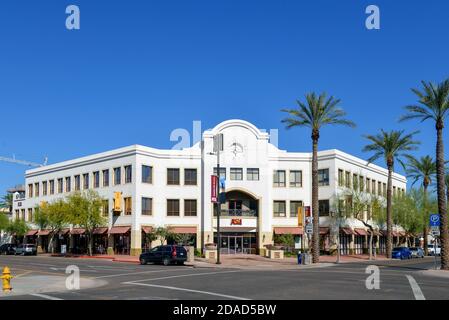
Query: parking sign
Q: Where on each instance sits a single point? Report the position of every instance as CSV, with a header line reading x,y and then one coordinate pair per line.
x,y
434,220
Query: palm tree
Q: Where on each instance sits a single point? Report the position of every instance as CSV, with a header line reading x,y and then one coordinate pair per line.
x,y
314,113
446,182
423,169
391,146
433,103
6,201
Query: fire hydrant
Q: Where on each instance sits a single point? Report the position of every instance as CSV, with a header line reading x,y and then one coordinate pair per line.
x,y
6,277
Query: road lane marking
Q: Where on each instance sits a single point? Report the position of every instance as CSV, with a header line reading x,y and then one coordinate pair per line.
x,y
415,288
185,289
186,275
134,273
23,274
40,295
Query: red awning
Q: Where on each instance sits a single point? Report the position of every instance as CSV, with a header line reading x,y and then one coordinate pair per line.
x,y
119,230
101,230
77,231
288,230
44,232
324,230
147,229
361,232
179,230
347,231
31,233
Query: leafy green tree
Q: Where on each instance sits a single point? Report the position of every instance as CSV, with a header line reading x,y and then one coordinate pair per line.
x,y
433,105
54,216
17,227
367,208
4,222
315,113
391,146
423,170
163,234
150,238
84,210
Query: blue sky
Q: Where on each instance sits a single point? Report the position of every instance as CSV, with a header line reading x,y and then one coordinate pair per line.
x,y
136,70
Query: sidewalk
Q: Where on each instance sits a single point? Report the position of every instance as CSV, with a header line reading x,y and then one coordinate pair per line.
x,y
239,261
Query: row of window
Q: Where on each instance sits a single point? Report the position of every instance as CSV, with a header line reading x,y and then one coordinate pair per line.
x,y
80,182
362,184
280,208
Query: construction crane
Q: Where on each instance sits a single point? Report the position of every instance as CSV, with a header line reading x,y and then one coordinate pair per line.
x,y
24,162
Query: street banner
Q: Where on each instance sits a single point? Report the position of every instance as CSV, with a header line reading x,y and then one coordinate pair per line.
x,y
214,188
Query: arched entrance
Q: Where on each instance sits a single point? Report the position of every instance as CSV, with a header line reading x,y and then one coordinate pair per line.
x,y
238,223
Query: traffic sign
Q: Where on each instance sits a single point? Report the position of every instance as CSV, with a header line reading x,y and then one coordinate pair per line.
x,y
434,220
309,228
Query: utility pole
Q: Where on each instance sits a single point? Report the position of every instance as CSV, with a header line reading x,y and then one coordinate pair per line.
x,y
218,146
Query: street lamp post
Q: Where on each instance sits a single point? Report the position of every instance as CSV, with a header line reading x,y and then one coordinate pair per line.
x,y
218,145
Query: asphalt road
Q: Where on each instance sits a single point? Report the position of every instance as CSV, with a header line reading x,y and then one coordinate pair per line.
x,y
399,280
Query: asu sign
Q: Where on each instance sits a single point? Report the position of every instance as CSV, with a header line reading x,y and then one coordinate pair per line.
x,y
236,222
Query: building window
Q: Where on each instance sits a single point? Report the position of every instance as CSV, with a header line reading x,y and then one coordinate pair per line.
x,y
77,183
23,214
173,207
368,185
361,183
384,189
147,206
172,176
323,177
85,181
190,208
190,177
279,178
128,174
252,174
96,179
379,188
295,178
30,214
36,189
17,214
106,178
68,184
147,174
52,186
44,188
341,178
323,206
30,190
236,174
347,179
355,182
294,206
60,185
128,206
117,176
373,187
222,172
105,208
279,209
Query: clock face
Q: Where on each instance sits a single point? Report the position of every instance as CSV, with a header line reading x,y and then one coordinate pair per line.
x,y
236,149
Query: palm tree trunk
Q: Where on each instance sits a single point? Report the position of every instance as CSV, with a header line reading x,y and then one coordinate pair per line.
x,y
315,207
389,215
441,198
425,229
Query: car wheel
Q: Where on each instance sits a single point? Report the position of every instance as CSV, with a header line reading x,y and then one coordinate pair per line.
x,y
166,261
143,261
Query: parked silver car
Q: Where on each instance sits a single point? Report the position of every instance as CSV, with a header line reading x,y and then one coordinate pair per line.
x,y
26,249
417,252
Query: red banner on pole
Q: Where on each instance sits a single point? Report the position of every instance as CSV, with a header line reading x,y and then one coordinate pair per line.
x,y
214,188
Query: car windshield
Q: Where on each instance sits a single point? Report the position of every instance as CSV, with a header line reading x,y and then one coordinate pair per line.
x,y
398,249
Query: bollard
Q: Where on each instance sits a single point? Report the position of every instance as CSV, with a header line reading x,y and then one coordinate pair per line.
x,y
6,277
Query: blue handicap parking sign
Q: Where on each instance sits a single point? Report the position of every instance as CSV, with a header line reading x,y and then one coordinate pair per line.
x,y
435,220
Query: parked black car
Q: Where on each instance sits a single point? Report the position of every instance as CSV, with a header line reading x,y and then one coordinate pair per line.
x,y
165,254
8,249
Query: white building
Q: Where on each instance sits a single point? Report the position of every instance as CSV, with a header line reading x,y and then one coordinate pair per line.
x,y
171,188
